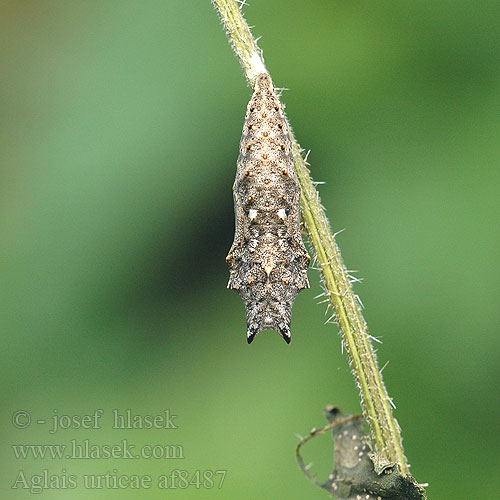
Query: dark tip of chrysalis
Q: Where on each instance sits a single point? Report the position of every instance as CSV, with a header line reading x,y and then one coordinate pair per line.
x,y
284,331
250,337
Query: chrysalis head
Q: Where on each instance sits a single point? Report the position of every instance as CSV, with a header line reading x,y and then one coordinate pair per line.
x,y
283,330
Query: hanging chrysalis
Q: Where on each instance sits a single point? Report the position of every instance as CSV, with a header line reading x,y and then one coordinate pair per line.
x,y
268,261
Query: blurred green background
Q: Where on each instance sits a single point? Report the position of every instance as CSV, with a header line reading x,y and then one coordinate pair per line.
x,y
120,126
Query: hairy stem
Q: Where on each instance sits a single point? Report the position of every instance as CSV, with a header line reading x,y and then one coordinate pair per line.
x,y
375,401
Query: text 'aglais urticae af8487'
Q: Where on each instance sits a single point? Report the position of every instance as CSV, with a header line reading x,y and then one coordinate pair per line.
x,y
268,261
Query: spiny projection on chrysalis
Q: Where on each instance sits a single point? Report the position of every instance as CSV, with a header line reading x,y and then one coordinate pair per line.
x,y
267,261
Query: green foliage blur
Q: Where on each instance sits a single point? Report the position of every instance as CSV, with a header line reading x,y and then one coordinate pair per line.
x,y
120,124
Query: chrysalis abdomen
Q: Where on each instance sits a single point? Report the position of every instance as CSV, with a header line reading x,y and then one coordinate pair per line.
x,y
268,261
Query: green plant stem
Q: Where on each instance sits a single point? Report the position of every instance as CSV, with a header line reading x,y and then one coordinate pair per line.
x,y
375,401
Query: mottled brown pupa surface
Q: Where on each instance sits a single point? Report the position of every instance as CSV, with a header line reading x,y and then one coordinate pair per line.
x,y
268,261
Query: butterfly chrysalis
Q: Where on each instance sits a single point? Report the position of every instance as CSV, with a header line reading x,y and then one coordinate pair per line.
x,y
267,261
